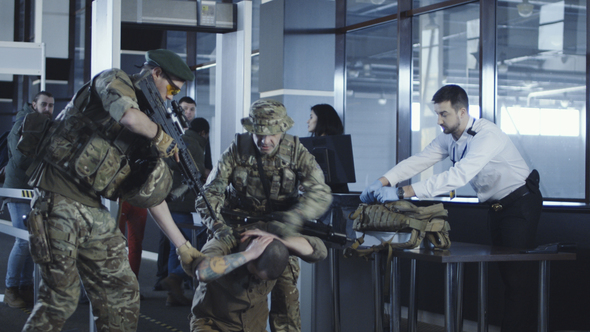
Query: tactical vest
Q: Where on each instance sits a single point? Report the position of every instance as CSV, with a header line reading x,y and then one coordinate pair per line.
x,y
425,222
86,143
247,192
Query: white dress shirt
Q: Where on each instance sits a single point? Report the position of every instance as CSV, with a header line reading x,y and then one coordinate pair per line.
x,y
489,161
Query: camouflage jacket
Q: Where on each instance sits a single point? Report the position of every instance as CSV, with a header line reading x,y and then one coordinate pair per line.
x,y
296,182
98,112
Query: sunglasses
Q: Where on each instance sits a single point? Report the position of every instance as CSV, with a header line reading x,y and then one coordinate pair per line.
x,y
171,88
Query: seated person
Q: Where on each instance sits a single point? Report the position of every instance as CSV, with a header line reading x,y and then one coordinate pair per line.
x,y
324,121
234,285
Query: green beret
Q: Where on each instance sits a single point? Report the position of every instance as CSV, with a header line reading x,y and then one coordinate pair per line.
x,y
170,63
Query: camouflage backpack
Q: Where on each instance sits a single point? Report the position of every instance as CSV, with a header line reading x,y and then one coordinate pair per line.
x,y
428,222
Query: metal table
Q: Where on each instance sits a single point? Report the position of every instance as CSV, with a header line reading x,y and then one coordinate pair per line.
x,y
454,258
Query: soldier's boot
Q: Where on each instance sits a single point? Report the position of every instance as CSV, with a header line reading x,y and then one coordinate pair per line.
x,y
173,284
13,299
27,293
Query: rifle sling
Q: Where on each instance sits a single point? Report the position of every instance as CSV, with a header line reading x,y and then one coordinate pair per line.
x,y
263,178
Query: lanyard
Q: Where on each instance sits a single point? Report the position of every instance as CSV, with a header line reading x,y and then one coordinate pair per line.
x,y
470,132
462,155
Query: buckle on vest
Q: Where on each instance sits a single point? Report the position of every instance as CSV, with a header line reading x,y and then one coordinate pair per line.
x,y
497,207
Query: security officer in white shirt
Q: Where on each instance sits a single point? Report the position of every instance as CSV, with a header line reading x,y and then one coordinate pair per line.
x,y
485,157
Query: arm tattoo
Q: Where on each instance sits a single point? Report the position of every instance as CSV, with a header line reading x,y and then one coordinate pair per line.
x,y
216,267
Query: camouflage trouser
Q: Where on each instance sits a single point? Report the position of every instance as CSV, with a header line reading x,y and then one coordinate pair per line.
x,y
85,244
284,313
203,325
284,300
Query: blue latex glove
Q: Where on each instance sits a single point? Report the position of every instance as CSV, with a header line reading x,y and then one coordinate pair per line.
x,y
368,195
386,194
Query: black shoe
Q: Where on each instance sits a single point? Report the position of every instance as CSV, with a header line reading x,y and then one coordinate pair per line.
x,y
157,287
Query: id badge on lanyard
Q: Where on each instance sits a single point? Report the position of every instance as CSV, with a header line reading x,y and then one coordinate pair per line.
x,y
452,194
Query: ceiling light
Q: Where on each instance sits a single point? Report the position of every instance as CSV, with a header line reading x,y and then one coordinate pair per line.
x,y
502,68
525,9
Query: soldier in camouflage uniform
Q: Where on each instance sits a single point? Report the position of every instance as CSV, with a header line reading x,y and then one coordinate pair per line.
x,y
100,133
237,185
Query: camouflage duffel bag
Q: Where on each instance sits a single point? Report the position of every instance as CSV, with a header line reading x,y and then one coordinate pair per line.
x,y
428,222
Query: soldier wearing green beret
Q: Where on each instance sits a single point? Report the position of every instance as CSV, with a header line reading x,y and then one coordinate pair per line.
x,y
102,145
263,172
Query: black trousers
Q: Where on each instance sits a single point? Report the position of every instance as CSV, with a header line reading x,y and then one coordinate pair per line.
x,y
516,226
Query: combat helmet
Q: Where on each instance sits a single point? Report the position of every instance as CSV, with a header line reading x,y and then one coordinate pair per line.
x,y
267,117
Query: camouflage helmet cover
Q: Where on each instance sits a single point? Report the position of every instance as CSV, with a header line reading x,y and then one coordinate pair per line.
x,y
267,117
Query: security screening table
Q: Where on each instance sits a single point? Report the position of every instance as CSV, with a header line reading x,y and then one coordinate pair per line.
x,y
454,258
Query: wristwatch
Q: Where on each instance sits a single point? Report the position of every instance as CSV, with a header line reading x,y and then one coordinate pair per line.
x,y
400,192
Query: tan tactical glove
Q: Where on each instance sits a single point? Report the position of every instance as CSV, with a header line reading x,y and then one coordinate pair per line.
x,y
281,229
187,254
287,224
224,233
164,144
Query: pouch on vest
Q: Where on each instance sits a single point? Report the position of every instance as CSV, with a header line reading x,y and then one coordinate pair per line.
x,y
38,236
428,222
35,128
102,166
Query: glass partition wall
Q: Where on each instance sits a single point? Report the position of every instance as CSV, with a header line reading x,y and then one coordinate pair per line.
x,y
444,51
533,66
371,98
541,99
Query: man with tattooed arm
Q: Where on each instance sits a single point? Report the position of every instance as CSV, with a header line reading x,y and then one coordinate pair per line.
x,y
234,283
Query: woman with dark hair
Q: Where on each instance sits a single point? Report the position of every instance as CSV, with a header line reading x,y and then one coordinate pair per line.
x,y
324,120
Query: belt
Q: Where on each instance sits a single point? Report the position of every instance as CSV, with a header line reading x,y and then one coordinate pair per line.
x,y
498,206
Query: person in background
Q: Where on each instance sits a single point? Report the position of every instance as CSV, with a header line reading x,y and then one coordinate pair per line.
x,y
181,202
201,127
19,272
135,219
189,106
324,121
485,157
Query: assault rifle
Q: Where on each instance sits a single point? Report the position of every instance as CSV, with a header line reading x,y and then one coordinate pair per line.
x,y
150,102
311,228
